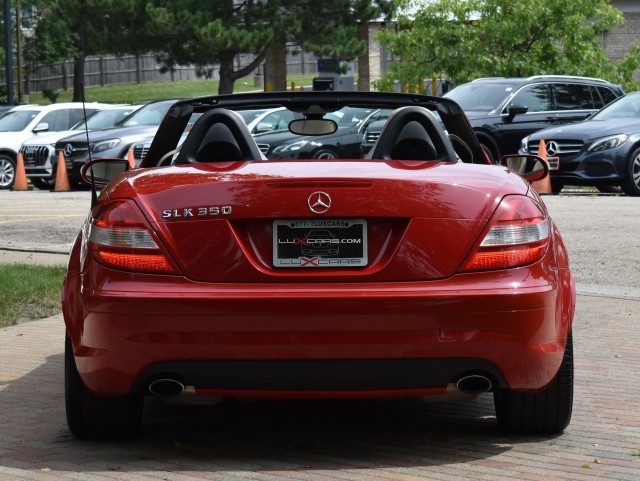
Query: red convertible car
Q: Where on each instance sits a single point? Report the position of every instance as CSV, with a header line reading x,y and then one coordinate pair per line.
x,y
419,270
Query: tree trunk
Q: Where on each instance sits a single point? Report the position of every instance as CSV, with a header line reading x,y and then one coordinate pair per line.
x,y
364,79
78,78
228,76
275,65
227,79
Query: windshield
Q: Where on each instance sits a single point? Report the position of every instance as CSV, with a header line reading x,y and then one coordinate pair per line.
x,y
251,115
627,107
150,114
17,121
480,96
104,119
350,116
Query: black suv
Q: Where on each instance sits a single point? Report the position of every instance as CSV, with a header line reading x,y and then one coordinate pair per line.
x,y
504,110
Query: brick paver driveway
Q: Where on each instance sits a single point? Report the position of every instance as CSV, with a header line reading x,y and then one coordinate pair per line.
x,y
360,440
330,440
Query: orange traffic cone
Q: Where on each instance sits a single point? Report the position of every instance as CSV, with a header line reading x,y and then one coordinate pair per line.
x,y
543,186
62,179
20,181
132,161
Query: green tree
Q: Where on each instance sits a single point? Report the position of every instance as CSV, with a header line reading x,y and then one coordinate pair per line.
x,y
328,29
205,33
480,38
76,29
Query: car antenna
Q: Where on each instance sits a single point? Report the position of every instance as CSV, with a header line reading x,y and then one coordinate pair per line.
x,y
94,194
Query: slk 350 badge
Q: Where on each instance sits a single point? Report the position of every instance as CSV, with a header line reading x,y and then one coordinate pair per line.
x,y
197,212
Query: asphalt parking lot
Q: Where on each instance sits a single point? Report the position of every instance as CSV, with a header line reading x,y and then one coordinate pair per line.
x,y
330,440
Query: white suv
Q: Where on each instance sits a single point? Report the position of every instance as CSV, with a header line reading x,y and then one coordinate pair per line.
x,y
39,151
24,121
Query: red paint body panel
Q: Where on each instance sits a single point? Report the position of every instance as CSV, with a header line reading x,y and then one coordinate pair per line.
x,y
505,317
440,218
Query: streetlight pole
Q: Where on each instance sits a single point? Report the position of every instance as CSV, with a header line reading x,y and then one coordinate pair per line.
x,y
8,50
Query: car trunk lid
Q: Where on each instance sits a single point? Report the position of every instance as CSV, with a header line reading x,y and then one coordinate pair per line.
x,y
318,221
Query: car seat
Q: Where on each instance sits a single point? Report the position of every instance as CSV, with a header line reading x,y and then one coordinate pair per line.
x,y
413,143
219,135
413,133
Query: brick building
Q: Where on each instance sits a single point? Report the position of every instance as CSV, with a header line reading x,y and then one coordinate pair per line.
x,y
619,41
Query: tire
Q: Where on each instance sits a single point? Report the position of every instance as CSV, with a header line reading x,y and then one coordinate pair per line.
x,y
43,183
556,187
490,153
91,417
324,153
7,172
546,412
609,189
631,182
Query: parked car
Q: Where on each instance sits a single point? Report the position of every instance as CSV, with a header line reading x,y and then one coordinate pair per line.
x,y
602,151
272,119
370,137
114,142
210,274
257,120
25,121
504,110
345,142
39,151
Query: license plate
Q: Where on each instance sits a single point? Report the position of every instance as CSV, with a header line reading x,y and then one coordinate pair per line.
x,y
318,243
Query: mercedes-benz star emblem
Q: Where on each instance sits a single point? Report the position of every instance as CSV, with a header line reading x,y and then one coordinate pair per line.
x,y
319,202
552,148
68,150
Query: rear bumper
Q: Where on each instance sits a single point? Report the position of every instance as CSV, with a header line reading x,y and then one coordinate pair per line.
x,y
403,338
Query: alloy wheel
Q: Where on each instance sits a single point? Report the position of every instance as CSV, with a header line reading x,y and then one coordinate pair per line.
x,y
7,173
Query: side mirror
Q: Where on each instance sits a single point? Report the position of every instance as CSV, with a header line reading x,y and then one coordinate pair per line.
x,y
102,171
531,167
263,127
517,109
41,127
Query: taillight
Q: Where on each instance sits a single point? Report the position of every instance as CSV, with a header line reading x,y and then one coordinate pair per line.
x,y
119,238
518,235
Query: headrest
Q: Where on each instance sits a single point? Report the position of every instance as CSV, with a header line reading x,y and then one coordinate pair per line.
x,y
219,135
219,151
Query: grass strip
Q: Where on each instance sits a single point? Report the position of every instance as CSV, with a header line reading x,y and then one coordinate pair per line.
x,y
29,292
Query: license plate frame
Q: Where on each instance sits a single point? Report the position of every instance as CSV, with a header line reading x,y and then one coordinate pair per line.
x,y
320,243
554,163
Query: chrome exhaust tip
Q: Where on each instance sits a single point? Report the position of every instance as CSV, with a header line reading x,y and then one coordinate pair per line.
x,y
166,388
474,384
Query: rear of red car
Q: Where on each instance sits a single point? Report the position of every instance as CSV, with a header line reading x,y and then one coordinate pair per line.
x,y
209,287
319,279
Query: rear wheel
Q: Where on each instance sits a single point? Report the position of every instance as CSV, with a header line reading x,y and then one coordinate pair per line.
x,y
324,153
7,172
609,189
556,187
546,412
89,416
43,183
491,155
631,182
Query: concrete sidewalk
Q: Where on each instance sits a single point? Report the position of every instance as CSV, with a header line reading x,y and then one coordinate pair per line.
x,y
330,440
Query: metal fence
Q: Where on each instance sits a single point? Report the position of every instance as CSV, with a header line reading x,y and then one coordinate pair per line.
x,y
112,70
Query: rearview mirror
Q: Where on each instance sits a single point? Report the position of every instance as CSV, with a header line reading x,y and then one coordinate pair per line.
x,y
313,126
531,167
102,171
